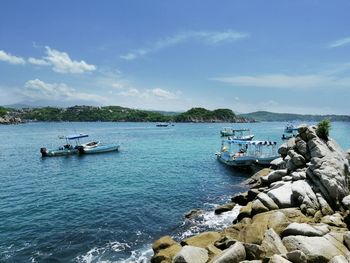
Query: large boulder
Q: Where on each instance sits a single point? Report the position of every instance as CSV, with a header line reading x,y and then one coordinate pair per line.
x,y
272,244
190,254
224,208
339,259
234,254
281,194
202,240
267,201
278,259
305,197
162,243
253,230
274,176
329,171
303,229
296,256
317,249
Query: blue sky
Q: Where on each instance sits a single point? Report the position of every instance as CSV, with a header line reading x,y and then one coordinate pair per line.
x,y
281,56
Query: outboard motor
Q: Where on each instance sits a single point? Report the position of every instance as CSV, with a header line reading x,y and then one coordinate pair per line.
x,y
80,149
43,152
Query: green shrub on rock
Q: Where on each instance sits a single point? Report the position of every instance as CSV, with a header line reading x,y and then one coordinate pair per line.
x,y
323,128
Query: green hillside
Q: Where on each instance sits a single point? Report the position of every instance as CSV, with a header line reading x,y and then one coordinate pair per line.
x,y
271,116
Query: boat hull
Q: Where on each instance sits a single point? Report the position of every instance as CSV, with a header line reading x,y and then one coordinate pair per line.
x,y
244,161
57,152
266,160
99,149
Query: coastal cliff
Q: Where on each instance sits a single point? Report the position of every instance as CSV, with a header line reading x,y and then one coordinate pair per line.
x,y
296,211
6,117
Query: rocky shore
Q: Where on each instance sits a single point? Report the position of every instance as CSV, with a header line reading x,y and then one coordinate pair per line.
x,y
10,120
296,211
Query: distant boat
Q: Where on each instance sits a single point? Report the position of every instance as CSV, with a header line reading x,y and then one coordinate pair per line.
x,y
67,149
237,134
238,153
287,137
163,124
290,128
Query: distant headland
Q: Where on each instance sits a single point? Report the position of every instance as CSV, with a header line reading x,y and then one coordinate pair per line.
x,y
122,114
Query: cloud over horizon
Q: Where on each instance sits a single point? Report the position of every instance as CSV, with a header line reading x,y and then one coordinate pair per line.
x,y
340,43
207,37
11,59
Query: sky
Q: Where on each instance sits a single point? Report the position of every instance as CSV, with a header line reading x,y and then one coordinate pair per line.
x,y
276,55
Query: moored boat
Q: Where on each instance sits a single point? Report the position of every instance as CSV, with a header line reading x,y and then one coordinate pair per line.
x,y
290,128
162,124
100,148
67,149
237,134
239,153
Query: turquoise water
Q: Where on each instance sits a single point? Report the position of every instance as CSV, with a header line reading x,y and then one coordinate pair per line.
x,y
110,207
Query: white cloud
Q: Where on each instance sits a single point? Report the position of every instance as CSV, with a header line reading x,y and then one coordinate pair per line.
x,y
157,93
340,43
207,37
7,57
38,62
37,89
62,63
162,94
286,81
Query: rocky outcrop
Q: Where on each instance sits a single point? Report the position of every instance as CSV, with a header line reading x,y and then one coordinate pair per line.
x,y
297,213
10,120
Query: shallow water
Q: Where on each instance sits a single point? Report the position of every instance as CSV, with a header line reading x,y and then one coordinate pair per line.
x,y
110,207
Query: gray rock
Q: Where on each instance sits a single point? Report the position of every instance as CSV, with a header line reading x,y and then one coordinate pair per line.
x,y
305,197
272,243
322,249
278,259
234,254
282,195
287,178
334,220
251,261
224,208
267,201
253,251
339,259
284,148
190,254
325,207
346,238
298,175
278,163
297,159
258,207
274,176
330,172
301,146
346,202
303,229
296,256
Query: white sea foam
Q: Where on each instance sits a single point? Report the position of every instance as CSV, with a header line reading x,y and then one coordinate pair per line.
x,y
96,254
208,220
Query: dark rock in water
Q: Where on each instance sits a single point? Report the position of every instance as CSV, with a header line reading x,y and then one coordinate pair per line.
x,y
241,198
224,208
193,213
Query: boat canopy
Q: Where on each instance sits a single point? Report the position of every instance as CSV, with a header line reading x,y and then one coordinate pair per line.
x,y
76,136
250,142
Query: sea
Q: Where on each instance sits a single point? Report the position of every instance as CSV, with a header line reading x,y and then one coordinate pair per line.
x,y
111,207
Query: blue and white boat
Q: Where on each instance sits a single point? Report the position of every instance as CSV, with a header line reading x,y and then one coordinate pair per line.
x,y
100,148
237,134
71,146
239,153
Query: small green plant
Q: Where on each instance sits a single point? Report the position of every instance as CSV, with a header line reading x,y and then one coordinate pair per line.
x,y
323,128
